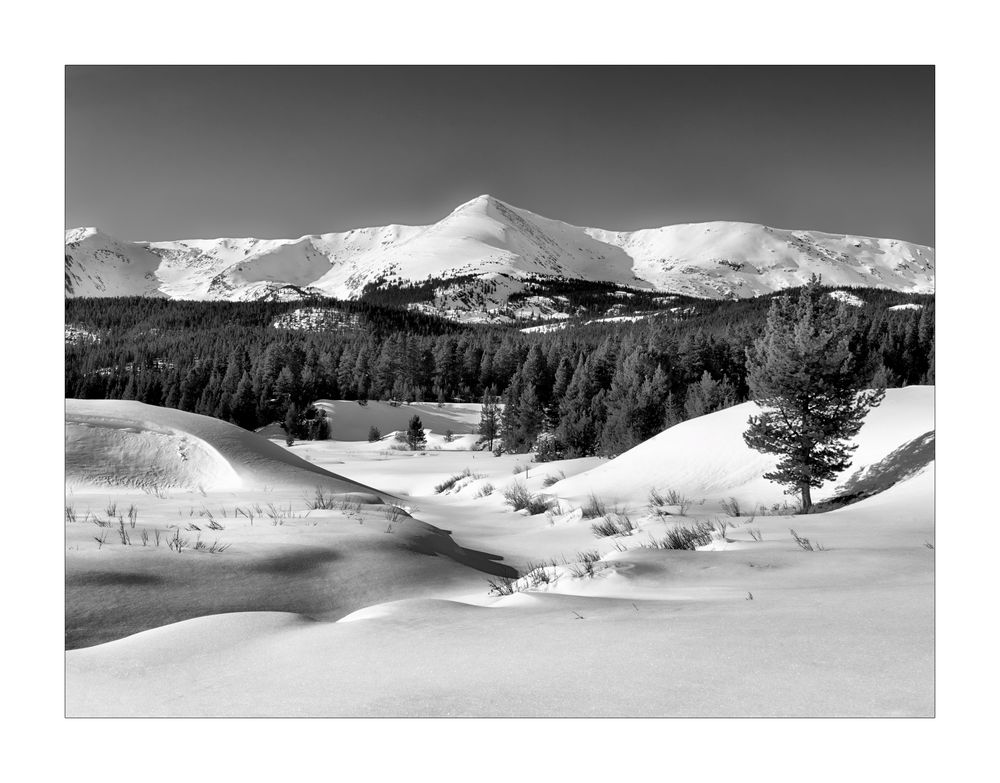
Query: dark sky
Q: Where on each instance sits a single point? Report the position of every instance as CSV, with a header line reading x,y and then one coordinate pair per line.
x,y
184,152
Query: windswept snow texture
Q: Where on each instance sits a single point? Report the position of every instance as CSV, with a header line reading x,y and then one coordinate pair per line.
x,y
499,245
126,444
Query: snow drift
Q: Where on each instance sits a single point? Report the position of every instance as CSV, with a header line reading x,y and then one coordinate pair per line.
x,y
130,444
706,458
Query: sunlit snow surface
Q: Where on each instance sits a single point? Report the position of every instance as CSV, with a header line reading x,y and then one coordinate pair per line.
x,y
360,609
499,245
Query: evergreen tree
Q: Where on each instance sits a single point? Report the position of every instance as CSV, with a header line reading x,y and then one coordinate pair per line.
x,y
284,384
809,385
415,437
242,404
291,423
489,418
708,395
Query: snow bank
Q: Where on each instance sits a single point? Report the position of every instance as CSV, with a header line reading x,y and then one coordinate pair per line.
x,y
131,444
706,458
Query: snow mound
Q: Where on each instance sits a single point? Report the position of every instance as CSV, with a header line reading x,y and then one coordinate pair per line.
x,y
131,444
706,459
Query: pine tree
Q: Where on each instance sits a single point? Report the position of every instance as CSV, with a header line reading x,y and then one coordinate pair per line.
x,y
708,395
489,418
242,403
291,423
415,437
809,385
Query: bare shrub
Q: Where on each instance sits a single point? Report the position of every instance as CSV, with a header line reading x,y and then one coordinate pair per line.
x,y
502,585
783,509
177,543
537,574
617,523
517,495
485,489
732,507
549,480
722,526
450,482
538,505
213,549
756,535
805,543
595,507
688,537
586,564
319,500
659,501
393,515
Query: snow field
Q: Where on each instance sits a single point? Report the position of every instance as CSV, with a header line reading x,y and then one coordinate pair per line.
x,y
361,610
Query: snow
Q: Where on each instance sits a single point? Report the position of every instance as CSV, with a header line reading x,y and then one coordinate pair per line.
x,y
311,319
847,298
501,245
129,444
706,459
544,328
907,306
351,612
350,421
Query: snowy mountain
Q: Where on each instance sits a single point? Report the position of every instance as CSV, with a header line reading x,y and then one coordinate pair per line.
x,y
483,252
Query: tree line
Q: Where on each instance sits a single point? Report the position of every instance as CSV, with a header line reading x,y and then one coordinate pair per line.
x,y
597,389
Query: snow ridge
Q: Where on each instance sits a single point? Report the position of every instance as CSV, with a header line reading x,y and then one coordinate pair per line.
x,y
487,240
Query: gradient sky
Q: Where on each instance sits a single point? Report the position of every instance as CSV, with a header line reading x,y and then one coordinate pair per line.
x,y
185,152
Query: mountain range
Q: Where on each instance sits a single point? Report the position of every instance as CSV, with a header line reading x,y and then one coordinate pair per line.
x,y
485,251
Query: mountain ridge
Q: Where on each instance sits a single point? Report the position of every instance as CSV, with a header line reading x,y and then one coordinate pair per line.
x,y
488,240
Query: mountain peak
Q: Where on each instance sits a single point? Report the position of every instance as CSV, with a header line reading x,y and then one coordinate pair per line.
x,y
485,237
480,203
81,233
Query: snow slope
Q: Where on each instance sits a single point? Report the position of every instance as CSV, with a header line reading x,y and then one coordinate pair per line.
x,y
706,459
314,616
129,444
100,265
497,245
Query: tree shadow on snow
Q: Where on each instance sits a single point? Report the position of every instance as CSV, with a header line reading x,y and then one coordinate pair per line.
x,y
903,463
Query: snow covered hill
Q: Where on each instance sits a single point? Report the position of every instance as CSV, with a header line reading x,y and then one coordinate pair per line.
x,y
706,460
486,249
128,445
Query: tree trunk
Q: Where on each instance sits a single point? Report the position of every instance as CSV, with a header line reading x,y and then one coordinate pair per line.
x,y
806,498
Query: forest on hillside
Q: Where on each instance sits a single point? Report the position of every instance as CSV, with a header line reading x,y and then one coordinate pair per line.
x,y
585,390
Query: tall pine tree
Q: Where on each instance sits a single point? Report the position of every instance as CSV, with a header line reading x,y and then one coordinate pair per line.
x,y
809,386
